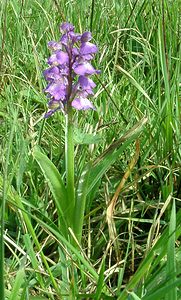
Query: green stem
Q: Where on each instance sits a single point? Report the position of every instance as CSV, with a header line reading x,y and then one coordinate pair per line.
x,y
69,157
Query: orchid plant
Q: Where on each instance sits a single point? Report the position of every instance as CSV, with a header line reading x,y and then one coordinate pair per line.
x,y
69,87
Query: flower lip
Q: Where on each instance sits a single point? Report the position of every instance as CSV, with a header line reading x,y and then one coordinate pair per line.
x,y
82,104
64,39
58,58
57,91
88,48
86,84
84,69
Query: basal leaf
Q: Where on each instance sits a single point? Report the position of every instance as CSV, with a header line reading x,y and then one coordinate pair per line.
x,y
55,183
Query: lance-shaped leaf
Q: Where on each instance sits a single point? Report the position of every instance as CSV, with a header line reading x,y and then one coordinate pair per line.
x,y
56,186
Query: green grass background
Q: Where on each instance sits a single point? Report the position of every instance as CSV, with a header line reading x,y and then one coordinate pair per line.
x,y
139,58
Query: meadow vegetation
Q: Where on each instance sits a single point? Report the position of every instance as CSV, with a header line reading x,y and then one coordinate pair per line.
x,y
130,243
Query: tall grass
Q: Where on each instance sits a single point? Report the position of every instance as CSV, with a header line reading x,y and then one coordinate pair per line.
x,y
131,251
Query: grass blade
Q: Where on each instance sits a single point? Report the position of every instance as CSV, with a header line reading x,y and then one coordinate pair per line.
x,y
16,200
160,292
33,258
160,246
136,84
134,296
3,206
20,277
104,162
171,263
100,282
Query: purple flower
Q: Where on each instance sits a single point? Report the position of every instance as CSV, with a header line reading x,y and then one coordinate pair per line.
x,y
69,71
86,37
52,73
58,58
82,104
66,27
88,48
57,91
84,69
52,45
86,84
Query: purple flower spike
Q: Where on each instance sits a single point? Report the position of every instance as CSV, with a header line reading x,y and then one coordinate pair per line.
x,y
69,71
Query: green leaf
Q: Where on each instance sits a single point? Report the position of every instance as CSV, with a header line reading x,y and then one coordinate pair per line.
x,y
134,296
100,282
20,277
56,186
171,263
160,292
32,255
104,162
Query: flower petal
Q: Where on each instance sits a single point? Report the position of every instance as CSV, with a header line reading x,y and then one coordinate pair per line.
x,y
86,36
54,45
86,83
75,37
57,91
82,104
88,48
84,69
66,27
49,113
58,58
52,73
